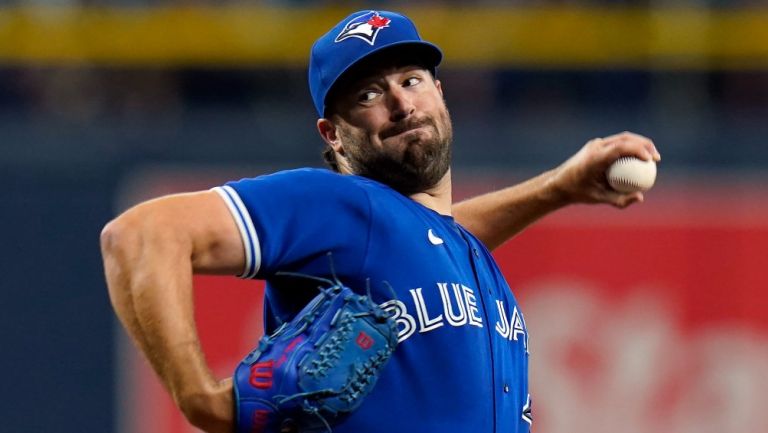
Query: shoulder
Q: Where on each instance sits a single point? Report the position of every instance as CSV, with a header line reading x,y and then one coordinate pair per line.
x,y
301,179
313,177
314,182
309,189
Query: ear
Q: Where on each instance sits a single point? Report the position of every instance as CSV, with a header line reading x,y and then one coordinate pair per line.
x,y
329,134
439,86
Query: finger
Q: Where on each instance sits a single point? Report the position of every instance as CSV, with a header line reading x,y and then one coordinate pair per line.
x,y
655,152
621,136
623,200
631,144
630,199
595,142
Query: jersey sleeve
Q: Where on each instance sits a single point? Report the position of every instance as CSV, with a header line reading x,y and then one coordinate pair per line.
x,y
291,220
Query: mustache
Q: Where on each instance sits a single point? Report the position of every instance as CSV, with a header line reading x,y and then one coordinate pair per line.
x,y
407,125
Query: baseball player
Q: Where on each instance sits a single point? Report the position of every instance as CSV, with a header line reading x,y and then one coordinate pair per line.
x,y
384,213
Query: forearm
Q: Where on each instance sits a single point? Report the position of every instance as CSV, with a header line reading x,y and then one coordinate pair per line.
x,y
149,275
497,216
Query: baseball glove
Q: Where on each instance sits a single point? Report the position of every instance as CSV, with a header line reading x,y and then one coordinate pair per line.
x,y
317,368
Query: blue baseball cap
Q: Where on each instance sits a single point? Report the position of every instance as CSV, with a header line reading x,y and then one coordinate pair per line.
x,y
357,37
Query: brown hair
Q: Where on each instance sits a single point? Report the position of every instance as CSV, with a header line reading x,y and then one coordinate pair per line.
x,y
329,157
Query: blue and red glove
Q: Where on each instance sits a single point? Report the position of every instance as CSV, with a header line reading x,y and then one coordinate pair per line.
x,y
316,368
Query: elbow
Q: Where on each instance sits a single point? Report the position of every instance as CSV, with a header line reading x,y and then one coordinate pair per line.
x,y
113,235
122,237
119,244
107,237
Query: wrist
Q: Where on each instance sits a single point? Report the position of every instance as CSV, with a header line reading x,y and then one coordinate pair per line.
x,y
210,408
553,191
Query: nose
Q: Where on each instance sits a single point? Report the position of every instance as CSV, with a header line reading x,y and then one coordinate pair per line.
x,y
400,104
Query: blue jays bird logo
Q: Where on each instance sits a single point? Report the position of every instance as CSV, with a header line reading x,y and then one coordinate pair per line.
x,y
364,27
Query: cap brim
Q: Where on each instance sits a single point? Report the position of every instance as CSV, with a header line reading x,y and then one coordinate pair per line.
x,y
426,54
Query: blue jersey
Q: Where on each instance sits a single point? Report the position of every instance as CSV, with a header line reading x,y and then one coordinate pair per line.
x,y
462,361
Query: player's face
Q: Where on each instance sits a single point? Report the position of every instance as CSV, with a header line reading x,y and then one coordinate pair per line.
x,y
394,127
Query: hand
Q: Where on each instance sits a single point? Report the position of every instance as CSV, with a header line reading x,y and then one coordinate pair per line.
x,y
581,179
212,410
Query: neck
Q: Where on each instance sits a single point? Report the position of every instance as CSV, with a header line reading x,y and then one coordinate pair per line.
x,y
437,198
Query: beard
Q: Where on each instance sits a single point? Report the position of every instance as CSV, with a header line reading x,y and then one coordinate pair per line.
x,y
418,166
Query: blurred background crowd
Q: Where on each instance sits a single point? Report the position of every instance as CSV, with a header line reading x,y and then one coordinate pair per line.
x,y
94,91
90,108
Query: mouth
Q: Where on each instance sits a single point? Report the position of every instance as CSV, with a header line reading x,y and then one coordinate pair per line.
x,y
409,138
407,128
410,131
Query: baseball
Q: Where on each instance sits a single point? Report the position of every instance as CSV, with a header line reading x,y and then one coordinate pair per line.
x,y
630,174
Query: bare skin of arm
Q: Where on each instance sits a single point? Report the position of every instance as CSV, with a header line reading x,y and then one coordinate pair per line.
x,y
150,253
498,216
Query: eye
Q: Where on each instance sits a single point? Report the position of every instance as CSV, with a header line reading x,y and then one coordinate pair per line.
x,y
368,95
411,81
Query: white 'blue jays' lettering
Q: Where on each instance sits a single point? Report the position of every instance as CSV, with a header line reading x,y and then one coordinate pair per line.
x,y
513,328
459,309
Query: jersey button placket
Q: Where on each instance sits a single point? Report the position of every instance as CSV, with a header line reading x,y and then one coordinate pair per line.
x,y
506,388
477,254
